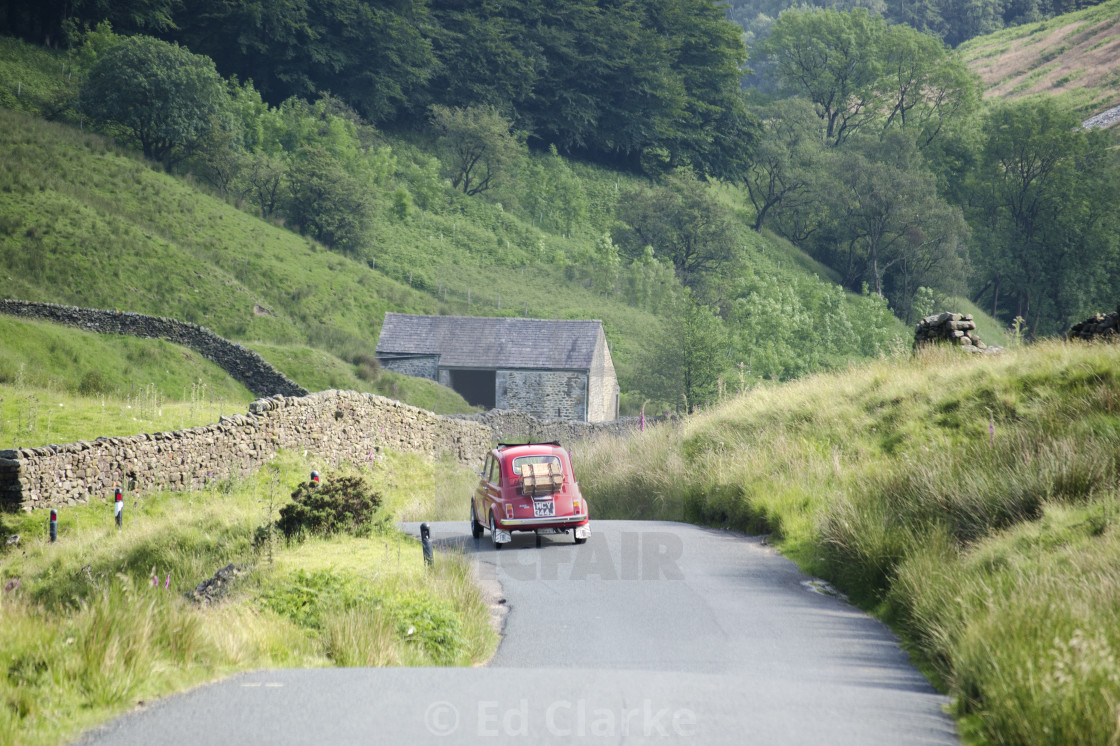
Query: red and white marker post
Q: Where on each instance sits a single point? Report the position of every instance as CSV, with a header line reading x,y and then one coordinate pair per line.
x,y
118,508
54,525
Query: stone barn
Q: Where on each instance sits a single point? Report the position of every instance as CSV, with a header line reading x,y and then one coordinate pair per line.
x,y
550,369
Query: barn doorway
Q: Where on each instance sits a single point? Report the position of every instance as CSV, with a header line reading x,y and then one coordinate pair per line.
x,y
476,386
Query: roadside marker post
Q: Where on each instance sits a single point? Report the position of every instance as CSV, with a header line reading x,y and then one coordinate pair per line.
x,y
426,541
314,479
54,525
118,508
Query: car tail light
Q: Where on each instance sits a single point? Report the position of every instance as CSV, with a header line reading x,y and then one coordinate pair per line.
x,y
509,511
576,505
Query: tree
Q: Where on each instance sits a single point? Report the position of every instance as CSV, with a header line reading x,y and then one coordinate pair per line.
x,y
264,179
921,86
782,172
477,145
46,22
683,223
373,54
1045,202
832,59
686,363
327,202
160,96
896,231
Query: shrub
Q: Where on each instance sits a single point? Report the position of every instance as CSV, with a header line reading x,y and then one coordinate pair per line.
x,y
341,504
93,383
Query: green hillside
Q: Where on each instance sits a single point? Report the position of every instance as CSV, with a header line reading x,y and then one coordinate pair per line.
x,y
1076,55
86,223
59,384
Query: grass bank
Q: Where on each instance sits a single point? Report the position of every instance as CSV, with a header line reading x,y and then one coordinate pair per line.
x,y
87,634
969,501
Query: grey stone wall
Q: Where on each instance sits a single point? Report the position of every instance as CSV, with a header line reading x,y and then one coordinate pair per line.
x,y
543,393
953,328
420,366
329,425
1101,326
508,426
243,364
602,391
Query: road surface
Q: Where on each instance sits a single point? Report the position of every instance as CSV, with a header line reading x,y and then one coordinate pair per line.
x,y
649,633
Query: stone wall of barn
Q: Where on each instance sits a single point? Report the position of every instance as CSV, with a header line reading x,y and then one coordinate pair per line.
x,y
602,386
419,366
552,394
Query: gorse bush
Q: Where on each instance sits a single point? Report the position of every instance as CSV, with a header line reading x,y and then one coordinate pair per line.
x,y
344,503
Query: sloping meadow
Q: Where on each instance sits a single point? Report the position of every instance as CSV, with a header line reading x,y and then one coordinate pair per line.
x,y
971,503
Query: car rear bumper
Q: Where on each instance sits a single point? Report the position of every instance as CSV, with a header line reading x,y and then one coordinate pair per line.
x,y
528,524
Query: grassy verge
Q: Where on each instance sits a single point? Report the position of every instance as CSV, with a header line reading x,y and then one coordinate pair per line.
x,y
87,634
970,502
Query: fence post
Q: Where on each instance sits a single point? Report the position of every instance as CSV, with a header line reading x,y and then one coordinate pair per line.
x,y
426,541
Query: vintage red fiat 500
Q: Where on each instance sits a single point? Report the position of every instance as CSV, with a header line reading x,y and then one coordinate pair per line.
x,y
528,487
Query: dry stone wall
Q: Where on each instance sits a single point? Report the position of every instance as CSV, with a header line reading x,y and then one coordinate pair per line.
x,y
954,328
509,427
243,364
329,425
1104,326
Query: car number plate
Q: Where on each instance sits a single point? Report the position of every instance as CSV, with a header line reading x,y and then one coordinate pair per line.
x,y
544,508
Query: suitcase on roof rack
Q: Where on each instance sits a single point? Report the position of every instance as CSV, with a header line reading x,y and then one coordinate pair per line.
x,y
541,479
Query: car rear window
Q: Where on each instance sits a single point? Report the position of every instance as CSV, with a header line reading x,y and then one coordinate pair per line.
x,y
522,460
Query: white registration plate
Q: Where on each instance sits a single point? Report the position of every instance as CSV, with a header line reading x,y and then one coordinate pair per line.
x,y
544,508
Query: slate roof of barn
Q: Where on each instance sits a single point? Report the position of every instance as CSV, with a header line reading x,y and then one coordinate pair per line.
x,y
487,342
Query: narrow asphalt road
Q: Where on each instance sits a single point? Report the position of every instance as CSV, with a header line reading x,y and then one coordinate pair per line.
x,y
649,633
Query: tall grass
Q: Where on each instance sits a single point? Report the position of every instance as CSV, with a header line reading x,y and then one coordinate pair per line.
x,y
97,622
970,501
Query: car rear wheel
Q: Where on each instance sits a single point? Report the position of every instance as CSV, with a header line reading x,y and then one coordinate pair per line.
x,y
494,532
476,527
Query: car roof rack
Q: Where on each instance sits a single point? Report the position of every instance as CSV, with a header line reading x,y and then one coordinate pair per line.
x,y
541,443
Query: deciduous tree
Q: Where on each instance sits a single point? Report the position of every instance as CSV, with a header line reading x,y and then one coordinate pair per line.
x,y
476,144
159,95
832,59
683,223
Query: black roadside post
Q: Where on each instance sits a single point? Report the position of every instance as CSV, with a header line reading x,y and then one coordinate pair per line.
x,y
426,540
118,508
54,525
314,479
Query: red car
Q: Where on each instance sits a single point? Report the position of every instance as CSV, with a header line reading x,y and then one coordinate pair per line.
x,y
528,488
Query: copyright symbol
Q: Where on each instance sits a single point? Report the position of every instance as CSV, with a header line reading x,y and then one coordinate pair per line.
x,y
441,718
